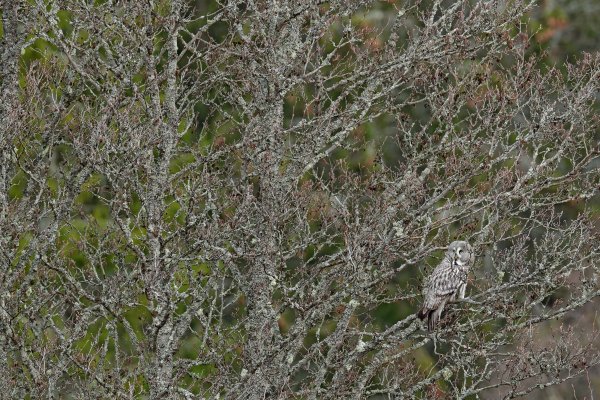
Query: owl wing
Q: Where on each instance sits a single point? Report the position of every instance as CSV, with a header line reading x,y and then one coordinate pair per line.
x,y
443,283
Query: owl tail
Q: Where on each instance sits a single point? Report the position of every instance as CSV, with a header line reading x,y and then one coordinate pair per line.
x,y
431,318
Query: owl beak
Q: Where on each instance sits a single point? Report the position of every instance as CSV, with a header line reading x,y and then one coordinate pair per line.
x,y
457,257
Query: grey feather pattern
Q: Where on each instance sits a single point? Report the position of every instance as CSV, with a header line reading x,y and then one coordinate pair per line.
x,y
447,280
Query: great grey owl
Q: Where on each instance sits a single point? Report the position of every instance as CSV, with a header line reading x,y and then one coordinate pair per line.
x,y
447,280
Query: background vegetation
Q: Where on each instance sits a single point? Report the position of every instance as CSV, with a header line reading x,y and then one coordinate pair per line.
x,y
204,199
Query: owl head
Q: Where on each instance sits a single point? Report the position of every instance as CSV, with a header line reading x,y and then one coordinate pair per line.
x,y
461,252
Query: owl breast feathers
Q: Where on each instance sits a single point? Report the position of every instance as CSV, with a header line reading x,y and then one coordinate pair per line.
x,y
447,282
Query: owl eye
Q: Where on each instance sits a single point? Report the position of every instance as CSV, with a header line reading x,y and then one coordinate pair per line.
x,y
459,251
